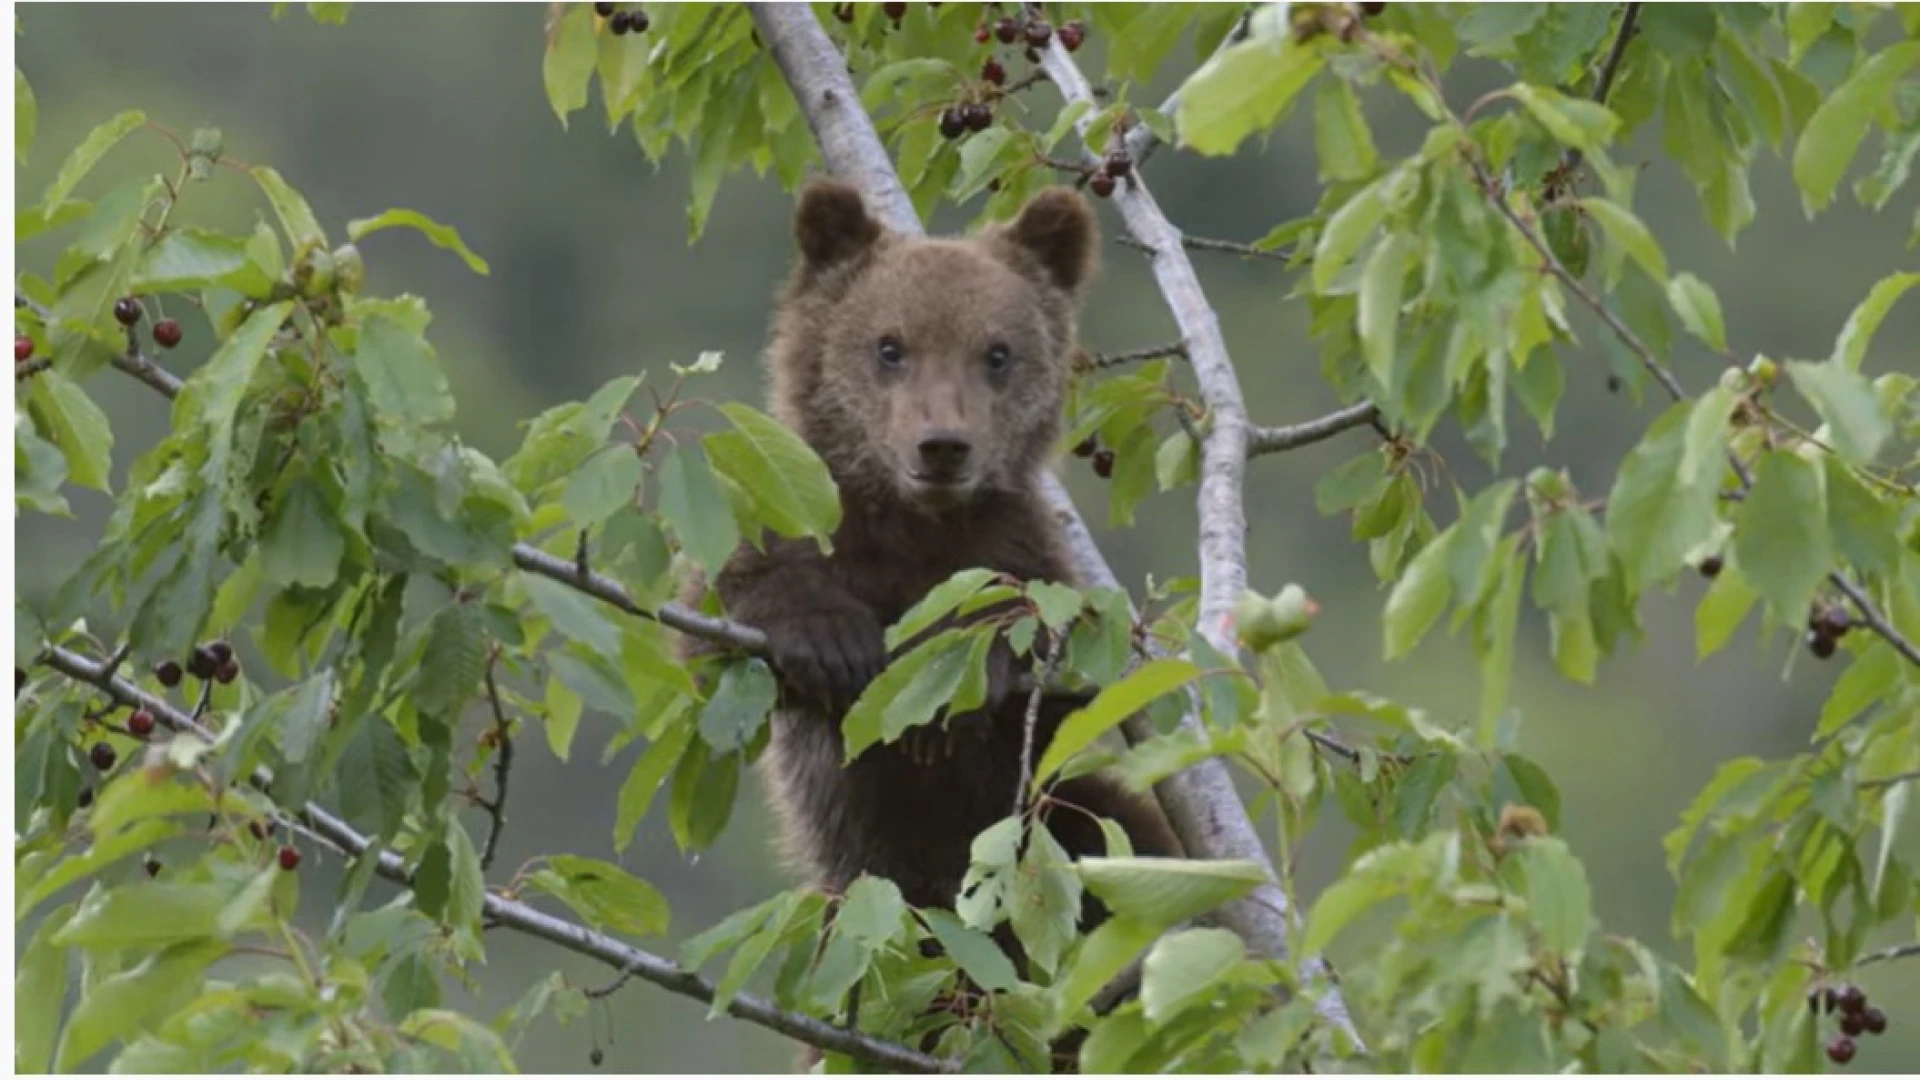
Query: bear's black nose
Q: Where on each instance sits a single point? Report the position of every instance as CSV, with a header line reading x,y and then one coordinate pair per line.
x,y
943,455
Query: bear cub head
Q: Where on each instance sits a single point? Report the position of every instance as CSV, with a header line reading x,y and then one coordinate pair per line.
x,y
930,372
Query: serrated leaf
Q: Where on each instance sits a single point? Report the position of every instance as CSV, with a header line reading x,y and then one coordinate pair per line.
x,y
1109,708
909,693
39,991
1559,901
128,1000
1781,533
607,896
478,1047
1865,319
1162,892
303,544
697,511
1184,967
1379,307
1727,602
1846,401
789,484
1585,125
88,153
939,602
1243,89
1341,139
402,374
443,236
602,487
643,781
149,914
296,217
1347,229
739,706
186,259
1836,129
573,614
1654,519
566,67
1629,233
974,952
1419,597
76,425
1699,309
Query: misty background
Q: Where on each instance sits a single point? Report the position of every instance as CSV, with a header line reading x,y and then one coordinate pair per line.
x,y
440,108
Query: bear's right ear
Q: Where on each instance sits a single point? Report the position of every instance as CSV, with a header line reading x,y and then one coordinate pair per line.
x,y
832,224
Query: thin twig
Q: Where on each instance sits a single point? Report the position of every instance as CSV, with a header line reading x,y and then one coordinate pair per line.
x,y
1136,356
1205,243
513,915
29,368
1273,440
1055,647
1610,68
1897,952
502,765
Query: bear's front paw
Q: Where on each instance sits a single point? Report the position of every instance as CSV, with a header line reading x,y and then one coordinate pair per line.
x,y
828,657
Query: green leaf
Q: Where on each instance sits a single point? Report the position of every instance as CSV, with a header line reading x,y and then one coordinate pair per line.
x,y
478,1047
1419,597
908,694
1341,138
974,952
303,544
443,236
1243,89
1866,529
1109,708
1585,125
145,914
1379,308
1347,229
649,771
40,989
1654,519
1865,319
567,66
574,614
1104,954
25,113
1727,602
1845,400
1629,233
1706,437
602,487
1699,309
607,896
1559,902
1162,892
88,153
402,375
127,1001
1781,534
696,509
939,602
296,217
76,425
789,484
1836,129
187,259
701,799
739,706
1184,967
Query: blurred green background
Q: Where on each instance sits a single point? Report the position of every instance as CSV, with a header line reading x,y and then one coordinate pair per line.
x,y
440,108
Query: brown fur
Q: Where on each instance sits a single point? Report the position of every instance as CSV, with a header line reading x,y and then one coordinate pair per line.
x,y
913,516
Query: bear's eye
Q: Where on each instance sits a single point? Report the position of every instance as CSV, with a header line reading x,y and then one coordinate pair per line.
x,y
891,351
998,357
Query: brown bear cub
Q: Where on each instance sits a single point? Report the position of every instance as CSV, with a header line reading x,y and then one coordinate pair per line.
x,y
930,374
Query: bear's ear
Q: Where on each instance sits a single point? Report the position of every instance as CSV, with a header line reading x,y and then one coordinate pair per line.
x,y
832,224
1057,229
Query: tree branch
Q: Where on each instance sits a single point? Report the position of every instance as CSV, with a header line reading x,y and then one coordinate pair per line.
x,y
502,765
1135,356
1203,243
1897,952
1274,440
1201,802
513,915
1608,69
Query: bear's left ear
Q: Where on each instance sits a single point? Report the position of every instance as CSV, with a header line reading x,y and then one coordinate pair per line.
x,y
1057,229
